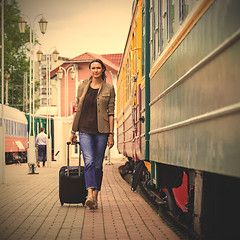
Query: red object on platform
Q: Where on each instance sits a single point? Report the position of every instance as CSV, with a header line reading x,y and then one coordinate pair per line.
x,y
74,107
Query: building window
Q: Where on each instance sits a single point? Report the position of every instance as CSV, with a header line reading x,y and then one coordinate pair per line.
x,y
43,82
44,91
43,101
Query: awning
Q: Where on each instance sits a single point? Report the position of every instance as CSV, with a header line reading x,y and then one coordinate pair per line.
x,y
44,111
20,145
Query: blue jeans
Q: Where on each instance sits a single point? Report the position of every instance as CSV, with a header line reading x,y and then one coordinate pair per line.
x,y
42,153
93,148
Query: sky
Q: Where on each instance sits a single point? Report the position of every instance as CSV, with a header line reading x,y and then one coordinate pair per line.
x,y
79,26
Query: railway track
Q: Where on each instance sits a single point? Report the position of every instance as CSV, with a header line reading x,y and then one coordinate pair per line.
x,y
160,207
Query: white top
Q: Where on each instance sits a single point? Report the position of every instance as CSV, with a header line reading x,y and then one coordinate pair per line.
x,y
13,114
41,139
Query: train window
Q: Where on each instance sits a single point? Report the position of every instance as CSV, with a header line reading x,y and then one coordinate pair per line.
x,y
160,26
128,74
5,122
170,19
26,130
125,83
11,128
22,129
18,129
153,29
8,127
183,10
143,42
156,28
128,77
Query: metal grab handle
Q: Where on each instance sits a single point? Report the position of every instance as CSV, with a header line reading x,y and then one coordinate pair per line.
x,y
142,119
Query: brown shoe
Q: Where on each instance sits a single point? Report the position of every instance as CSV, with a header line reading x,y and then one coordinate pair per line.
x,y
89,202
95,204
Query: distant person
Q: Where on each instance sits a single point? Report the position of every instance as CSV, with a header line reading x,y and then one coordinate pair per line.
x,y
94,120
41,143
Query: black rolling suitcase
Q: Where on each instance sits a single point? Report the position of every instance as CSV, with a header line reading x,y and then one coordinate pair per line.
x,y
72,187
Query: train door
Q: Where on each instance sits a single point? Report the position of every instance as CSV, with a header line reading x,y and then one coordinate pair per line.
x,y
138,124
136,114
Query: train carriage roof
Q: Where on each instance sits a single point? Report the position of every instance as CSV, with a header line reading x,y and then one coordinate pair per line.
x,y
13,114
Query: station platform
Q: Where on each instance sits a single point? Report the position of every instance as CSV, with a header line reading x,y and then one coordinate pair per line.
x,y
30,209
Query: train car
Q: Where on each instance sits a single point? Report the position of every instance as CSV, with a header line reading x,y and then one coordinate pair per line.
x,y
190,109
128,90
16,136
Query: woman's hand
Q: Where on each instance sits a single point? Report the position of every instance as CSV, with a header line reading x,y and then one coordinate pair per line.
x,y
110,142
73,138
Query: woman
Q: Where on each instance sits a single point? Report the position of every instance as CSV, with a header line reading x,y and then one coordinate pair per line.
x,y
94,119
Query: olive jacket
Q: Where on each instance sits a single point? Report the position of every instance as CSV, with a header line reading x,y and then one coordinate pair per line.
x,y
105,104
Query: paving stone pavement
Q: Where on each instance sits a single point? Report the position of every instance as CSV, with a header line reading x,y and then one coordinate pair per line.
x,y
30,209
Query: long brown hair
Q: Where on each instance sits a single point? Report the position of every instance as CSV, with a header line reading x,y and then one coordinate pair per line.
x,y
103,67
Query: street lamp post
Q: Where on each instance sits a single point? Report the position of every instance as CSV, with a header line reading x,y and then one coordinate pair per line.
x,y
31,146
72,75
7,79
2,135
54,55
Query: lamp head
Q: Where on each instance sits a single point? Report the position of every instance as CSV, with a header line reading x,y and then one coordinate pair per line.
x,y
39,55
60,73
22,25
55,55
43,25
72,73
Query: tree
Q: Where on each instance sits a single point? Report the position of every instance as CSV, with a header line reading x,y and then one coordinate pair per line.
x,y
16,51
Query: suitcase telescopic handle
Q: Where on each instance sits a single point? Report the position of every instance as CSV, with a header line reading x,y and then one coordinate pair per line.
x,y
79,164
76,142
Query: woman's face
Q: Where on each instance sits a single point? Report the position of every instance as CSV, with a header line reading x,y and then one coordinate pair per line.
x,y
96,70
